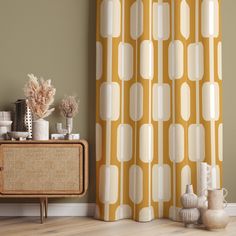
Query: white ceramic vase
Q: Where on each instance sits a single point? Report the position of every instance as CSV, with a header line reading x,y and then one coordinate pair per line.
x,y
69,127
5,115
189,213
3,132
215,218
40,129
69,124
189,199
5,124
202,206
203,186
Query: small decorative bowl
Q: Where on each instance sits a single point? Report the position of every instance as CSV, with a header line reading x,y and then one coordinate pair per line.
x,y
17,135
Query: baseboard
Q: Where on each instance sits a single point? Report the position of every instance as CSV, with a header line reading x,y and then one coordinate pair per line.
x,y
65,209
231,209
54,209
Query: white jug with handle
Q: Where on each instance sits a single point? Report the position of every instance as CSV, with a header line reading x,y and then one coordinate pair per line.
x,y
215,217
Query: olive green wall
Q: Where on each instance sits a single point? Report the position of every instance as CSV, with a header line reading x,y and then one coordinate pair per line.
x,y
56,39
53,39
229,96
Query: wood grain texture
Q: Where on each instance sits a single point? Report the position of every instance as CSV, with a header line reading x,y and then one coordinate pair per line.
x,y
80,226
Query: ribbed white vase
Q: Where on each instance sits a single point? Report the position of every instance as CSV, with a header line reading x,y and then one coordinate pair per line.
x,y
40,129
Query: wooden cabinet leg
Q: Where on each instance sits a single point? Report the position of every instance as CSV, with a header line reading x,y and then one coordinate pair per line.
x,y
46,207
42,210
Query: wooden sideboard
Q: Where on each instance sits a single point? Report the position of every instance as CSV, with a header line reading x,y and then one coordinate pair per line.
x,y
43,169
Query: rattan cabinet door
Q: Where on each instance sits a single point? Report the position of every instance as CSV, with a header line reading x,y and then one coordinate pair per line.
x,y
41,169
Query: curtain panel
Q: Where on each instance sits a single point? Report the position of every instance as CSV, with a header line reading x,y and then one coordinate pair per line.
x,y
159,109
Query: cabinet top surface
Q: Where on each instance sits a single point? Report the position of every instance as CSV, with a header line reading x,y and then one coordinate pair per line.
x,y
43,142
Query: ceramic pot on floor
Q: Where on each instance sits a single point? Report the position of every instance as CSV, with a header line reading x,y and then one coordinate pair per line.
x,y
205,171
40,129
215,218
189,214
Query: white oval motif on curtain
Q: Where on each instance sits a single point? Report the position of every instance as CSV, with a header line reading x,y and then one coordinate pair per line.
x,y
184,19
125,61
110,18
136,184
161,21
210,18
108,184
136,102
136,19
185,101
176,59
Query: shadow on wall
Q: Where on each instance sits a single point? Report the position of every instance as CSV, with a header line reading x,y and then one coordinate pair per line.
x,y
92,97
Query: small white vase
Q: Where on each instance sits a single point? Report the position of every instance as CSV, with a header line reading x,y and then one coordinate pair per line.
x,y
189,213
69,124
189,199
189,216
40,129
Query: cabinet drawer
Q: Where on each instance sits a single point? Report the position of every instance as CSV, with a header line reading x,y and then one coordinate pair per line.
x,y
41,169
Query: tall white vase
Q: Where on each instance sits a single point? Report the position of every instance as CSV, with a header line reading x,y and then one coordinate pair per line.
x,y
203,177
40,129
204,184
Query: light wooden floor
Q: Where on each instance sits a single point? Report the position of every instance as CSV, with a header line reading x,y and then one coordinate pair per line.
x,y
78,226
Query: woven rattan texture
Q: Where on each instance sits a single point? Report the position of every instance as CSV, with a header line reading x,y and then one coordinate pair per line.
x,y
41,169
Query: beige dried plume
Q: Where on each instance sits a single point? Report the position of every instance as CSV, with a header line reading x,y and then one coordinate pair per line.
x,y
40,96
69,106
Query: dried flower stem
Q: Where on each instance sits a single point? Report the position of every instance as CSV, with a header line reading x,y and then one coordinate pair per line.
x,y
69,106
40,96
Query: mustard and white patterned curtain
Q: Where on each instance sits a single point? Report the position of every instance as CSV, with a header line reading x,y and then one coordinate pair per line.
x,y
159,109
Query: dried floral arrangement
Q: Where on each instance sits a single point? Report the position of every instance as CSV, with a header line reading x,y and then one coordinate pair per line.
x,y
40,96
69,106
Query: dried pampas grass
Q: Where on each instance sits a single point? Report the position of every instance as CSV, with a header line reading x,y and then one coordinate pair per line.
x,y
40,96
69,106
